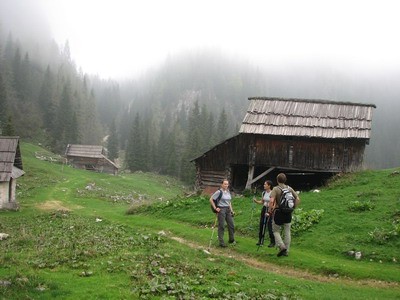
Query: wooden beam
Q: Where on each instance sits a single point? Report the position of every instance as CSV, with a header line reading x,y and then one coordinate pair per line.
x,y
250,181
249,177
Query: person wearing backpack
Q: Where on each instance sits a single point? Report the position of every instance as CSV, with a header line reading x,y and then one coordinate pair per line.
x,y
265,217
283,201
221,204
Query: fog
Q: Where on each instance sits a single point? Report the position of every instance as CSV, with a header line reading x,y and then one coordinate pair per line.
x,y
335,50
123,38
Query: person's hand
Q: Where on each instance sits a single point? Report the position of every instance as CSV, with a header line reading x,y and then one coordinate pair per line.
x,y
217,209
255,200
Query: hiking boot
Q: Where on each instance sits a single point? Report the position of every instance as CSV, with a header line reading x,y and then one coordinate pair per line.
x,y
232,242
223,245
272,245
283,251
259,244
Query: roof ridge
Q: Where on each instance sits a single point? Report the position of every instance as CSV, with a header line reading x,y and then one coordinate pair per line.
x,y
321,101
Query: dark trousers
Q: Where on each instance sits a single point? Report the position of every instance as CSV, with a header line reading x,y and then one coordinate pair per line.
x,y
269,226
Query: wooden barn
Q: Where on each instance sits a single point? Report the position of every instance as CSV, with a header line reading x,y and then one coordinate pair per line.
x,y
309,140
10,169
90,157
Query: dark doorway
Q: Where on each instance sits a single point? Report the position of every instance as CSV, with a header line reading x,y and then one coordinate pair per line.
x,y
297,179
239,177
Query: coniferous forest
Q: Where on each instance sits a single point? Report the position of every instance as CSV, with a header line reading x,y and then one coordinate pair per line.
x,y
162,119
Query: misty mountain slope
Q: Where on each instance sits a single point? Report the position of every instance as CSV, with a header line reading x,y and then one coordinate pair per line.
x,y
39,81
216,82
225,83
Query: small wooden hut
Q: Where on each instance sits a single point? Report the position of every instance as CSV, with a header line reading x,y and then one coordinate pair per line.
x,y
90,157
10,169
298,136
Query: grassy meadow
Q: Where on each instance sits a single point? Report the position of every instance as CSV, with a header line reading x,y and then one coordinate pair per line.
x,y
85,235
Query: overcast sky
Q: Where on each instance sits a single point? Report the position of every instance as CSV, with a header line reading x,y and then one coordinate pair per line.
x,y
120,38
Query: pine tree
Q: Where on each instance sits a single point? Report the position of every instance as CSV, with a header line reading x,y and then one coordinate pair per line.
x,y
45,101
3,103
90,127
162,148
25,89
222,127
64,117
9,127
133,153
212,139
112,143
175,150
9,49
17,72
193,144
145,149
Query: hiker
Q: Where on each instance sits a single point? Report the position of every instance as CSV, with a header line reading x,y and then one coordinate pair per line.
x,y
224,212
281,220
265,216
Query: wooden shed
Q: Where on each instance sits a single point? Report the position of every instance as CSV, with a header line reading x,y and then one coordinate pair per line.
x,y
313,139
90,157
10,169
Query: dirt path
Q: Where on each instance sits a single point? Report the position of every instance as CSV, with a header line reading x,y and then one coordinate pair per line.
x,y
285,270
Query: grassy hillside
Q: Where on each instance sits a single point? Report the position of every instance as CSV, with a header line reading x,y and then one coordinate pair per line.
x,y
86,235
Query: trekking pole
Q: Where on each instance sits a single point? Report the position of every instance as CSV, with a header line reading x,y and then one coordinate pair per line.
x,y
265,221
212,234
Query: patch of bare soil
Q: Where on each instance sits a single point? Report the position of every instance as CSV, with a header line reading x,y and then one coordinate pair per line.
x,y
285,270
55,205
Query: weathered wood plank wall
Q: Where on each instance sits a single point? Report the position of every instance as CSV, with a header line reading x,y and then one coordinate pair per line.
x,y
329,155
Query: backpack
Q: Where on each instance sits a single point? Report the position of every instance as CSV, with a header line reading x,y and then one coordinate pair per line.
x,y
287,200
216,201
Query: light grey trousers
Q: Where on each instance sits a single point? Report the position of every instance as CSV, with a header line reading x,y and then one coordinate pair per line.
x,y
277,229
225,214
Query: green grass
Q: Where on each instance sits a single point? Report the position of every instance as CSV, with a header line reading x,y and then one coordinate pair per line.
x,y
87,235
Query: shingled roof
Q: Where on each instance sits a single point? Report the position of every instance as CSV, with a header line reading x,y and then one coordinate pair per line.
x,y
88,151
10,158
307,118
92,151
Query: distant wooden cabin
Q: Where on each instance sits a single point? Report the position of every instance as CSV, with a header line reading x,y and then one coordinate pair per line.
x,y
90,157
308,138
10,169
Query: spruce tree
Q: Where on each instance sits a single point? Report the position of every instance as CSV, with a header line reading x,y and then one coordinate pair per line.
x,y
162,149
9,127
17,73
222,127
193,144
3,103
65,116
212,139
46,101
112,142
133,153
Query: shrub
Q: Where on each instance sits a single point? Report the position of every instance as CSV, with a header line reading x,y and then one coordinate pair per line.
x,y
303,220
359,206
381,235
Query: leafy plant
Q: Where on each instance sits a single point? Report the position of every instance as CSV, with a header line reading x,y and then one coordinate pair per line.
x,y
382,236
359,206
303,220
